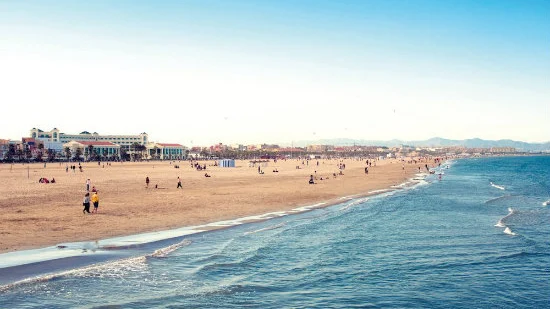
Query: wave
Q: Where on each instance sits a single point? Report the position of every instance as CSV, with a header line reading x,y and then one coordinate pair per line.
x,y
493,200
272,227
379,191
546,203
354,203
502,222
497,186
112,269
508,231
161,253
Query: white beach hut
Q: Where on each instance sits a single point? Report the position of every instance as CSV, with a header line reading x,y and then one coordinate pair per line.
x,y
227,163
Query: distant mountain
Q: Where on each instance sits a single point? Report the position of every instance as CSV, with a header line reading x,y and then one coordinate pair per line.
x,y
432,142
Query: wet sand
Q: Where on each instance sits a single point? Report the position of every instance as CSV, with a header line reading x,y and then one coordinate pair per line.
x,y
35,215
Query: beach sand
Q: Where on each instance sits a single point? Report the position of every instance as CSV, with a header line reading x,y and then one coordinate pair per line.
x,y
35,215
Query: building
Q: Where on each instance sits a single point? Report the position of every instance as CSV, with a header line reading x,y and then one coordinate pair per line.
x,y
165,151
90,150
319,148
503,149
55,136
4,148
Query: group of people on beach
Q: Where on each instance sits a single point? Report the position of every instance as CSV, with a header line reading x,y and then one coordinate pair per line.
x,y
73,168
179,186
45,180
94,199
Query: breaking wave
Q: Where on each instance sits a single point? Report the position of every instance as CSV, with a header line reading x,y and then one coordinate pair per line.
x,y
497,186
502,222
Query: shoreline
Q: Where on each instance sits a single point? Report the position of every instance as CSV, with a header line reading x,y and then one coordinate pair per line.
x,y
27,266
349,190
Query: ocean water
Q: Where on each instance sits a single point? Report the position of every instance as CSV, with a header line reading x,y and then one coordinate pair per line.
x,y
477,238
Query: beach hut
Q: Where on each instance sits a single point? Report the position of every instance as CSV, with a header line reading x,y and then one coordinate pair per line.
x,y
227,163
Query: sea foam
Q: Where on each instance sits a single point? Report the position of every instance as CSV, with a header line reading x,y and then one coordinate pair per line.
x,y
508,231
502,222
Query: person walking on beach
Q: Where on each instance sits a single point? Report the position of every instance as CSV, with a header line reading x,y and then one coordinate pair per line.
x,y
147,181
179,184
95,201
88,185
86,203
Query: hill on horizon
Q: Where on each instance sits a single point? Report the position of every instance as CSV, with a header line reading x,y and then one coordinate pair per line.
x,y
432,142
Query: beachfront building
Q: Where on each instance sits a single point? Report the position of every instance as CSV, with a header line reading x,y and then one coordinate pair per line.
x,y
319,148
163,151
4,148
238,147
55,136
93,150
502,149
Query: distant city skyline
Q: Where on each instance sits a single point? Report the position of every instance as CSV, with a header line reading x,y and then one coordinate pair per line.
x,y
250,72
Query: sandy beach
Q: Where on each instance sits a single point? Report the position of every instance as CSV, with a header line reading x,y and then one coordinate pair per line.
x,y
34,214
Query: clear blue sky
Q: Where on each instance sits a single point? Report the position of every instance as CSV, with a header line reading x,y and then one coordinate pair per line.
x,y
202,72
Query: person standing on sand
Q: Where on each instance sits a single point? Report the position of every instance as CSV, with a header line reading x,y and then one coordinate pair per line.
x,y
86,203
88,185
179,184
147,181
95,200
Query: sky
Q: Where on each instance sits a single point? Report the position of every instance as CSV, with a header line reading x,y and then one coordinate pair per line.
x,y
248,72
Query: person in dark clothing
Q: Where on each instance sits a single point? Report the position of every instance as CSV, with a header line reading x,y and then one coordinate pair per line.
x,y
86,203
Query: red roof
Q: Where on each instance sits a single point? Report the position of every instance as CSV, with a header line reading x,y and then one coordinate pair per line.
x,y
170,145
96,143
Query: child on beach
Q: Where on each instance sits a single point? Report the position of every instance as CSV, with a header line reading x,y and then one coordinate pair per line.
x,y
179,184
86,203
95,200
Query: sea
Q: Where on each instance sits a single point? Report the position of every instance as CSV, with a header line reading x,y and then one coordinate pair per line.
x,y
476,237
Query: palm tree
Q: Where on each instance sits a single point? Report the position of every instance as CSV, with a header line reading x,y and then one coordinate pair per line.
x,y
78,153
157,156
51,155
19,154
132,150
141,149
28,153
90,152
68,153
204,153
124,155
11,152
40,151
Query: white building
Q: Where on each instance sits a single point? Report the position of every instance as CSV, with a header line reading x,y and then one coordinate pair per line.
x,y
105,150
164,151
125,141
